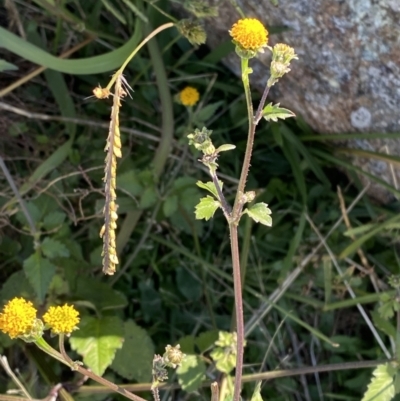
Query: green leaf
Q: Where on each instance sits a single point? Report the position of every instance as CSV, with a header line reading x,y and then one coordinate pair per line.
x,y
100,295
97,340
53,248
207,339
33,211
260,213
148,198
383,324
136,10
273,112
372,233
208,111
210,187
150,301
129,182
257,392
224,353
191,373
6,66
224,361
170,205
134,360
187,344
386,309
206,208
39,271
53,220
224,148
91,65
16,285
114,11
188,285
381,387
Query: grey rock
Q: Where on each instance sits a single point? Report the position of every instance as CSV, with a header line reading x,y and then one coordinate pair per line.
x,y
347,78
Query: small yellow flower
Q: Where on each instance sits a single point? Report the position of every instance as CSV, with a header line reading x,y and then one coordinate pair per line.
x,y
249,34
189,96
18,318
61,319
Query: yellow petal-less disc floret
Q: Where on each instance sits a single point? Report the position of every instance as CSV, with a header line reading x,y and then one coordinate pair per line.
x,y
189,96
18,318
249,34
61,319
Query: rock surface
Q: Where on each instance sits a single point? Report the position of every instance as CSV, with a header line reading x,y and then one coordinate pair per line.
x,y
347,78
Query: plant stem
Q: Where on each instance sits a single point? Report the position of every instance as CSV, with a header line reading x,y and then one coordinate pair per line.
x,y
237,288
225,207
250,141
66,360
142,43
233,231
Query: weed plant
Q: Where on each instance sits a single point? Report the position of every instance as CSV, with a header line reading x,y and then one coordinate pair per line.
x,y
319,285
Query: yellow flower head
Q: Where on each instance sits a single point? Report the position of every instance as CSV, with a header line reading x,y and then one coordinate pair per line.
x,y
18,318
61,319
189,96
249,34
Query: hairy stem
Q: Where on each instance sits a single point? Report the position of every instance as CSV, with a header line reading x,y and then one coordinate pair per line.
x,y
233,224
237,285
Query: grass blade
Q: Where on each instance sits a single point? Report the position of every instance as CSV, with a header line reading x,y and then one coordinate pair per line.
x,y
84,66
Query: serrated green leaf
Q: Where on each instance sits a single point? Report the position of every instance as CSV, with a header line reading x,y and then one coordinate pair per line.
x,y
129,182
224,361
17,285
210,187
383,324
33,211
99,294
53,248
9,247
205,340
260,213
381,387
386,310
206,208
97,340
272,112
224,148
6,66
191,373
39,271
148,198
53,220
187,344
224,354
170,205
134,360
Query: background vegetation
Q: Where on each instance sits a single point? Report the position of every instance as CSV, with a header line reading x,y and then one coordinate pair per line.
x,y
174,281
